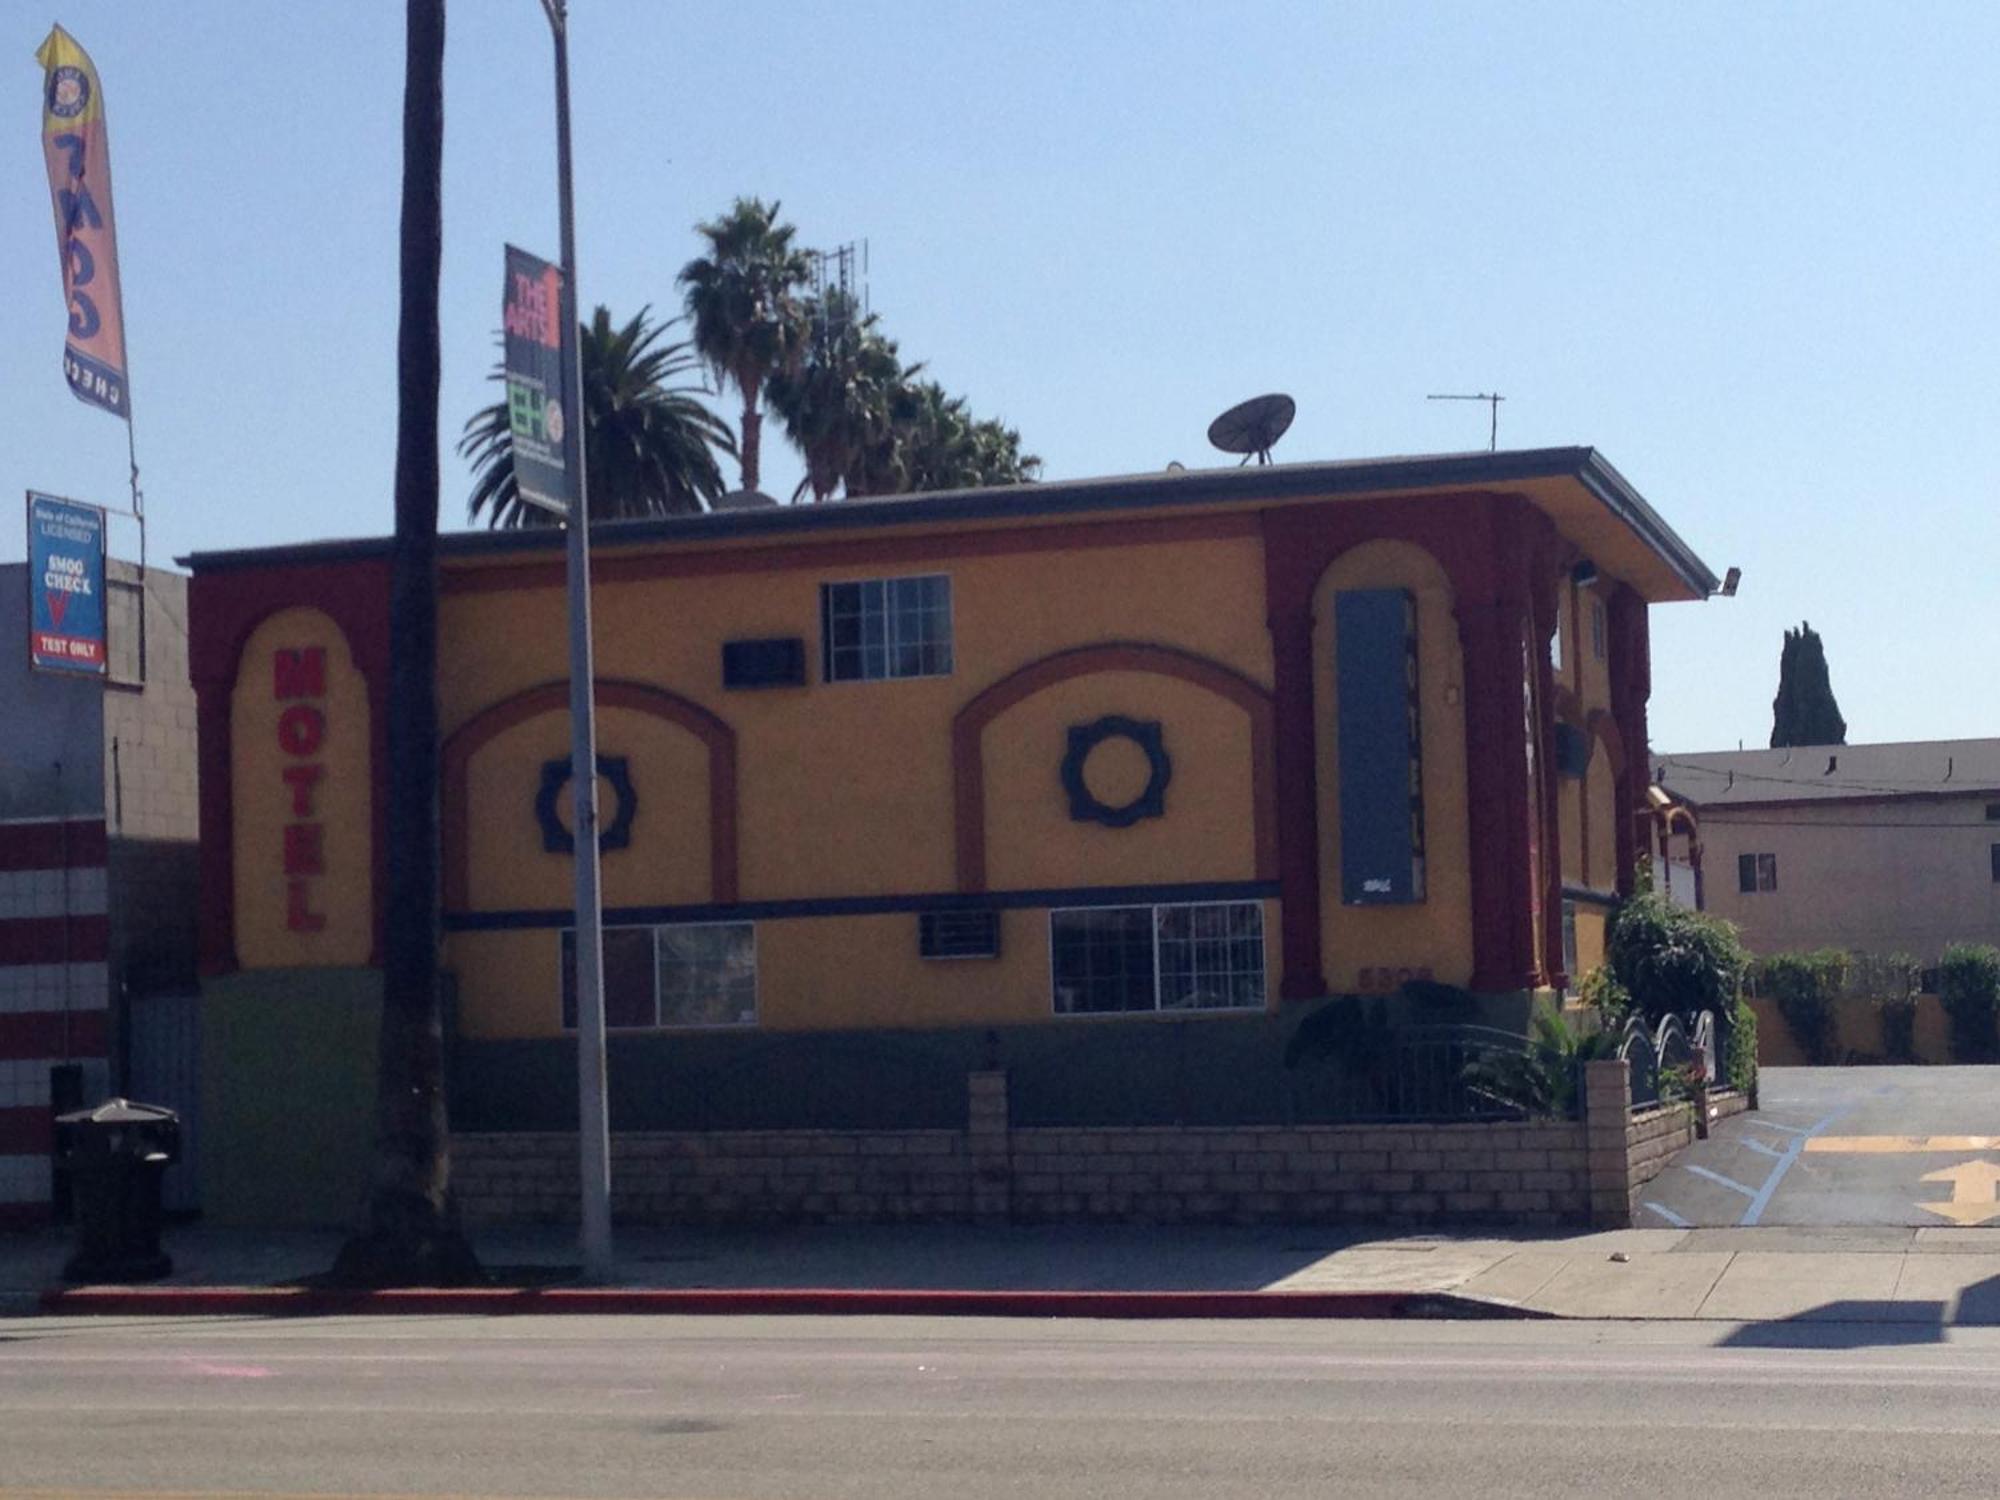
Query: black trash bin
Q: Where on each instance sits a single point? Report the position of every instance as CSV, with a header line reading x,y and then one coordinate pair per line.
x,y
116,1155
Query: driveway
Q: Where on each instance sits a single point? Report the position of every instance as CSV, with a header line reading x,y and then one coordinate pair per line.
x,y
1845,1146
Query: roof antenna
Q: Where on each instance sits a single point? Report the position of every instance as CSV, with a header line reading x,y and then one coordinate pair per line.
x,y
1492,400
1947,767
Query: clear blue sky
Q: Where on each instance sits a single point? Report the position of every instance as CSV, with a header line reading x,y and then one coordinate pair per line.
x,y
1749,252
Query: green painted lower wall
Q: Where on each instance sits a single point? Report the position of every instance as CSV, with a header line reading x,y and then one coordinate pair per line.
x,y
1151,1070
288,1095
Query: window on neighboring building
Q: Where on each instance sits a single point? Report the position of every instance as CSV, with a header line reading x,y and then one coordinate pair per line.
x,y
1993,812
885,627
1756,872
1107,959
655,977
1597,631
1995,852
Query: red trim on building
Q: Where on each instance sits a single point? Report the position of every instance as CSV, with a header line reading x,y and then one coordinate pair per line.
x,y
54,940
968,755
58,843
1000,540
27,1130
223,609
54,1035
553,697
1631,673
1481,540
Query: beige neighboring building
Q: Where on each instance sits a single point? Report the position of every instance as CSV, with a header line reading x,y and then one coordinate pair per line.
x,y
1878,848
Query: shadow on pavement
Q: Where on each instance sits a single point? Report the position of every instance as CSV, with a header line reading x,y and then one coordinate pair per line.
x,y
1851,1324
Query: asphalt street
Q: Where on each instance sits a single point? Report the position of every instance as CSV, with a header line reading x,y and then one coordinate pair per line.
x,y
1845,1147
721,1409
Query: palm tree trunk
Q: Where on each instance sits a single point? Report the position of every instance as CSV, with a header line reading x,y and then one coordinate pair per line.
x,y
753,424
407,1236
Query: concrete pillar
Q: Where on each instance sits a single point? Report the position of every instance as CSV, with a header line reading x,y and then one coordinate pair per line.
x,y
1607,1110
988,1145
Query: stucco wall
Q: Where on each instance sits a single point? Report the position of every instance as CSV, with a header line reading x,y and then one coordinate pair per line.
x,y
52,739
1911,875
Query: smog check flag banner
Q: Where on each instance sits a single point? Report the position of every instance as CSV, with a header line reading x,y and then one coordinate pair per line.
x,y
79,161
531,317
65,585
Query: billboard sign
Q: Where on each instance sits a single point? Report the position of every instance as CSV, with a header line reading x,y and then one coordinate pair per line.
x,y
66,586
534,368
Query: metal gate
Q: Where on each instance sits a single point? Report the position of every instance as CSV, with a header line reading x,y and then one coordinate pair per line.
x,y
165,1035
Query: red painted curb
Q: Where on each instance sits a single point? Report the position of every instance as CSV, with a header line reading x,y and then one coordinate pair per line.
x,y
195,1301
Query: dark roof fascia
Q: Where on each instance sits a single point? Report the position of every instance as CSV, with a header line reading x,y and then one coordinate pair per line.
x,y
1062,497
1858,799
1626,503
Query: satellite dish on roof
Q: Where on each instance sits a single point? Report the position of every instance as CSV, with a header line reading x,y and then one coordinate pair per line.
x,y
1251,427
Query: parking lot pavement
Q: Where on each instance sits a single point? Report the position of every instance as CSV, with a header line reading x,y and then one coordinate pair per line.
x,y
1909,1147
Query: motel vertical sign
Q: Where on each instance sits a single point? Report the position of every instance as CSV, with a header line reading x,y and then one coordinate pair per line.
x,y
66,586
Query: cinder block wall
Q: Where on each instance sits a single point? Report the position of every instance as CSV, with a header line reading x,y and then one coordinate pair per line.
x,y
1539,1172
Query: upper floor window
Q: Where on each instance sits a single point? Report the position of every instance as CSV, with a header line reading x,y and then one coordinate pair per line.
x,y
885,627
1756,872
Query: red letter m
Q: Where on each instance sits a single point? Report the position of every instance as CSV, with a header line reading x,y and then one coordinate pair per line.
x,y
299,674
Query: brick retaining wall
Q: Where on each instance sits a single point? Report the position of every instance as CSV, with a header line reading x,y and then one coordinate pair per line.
x,y
1541,1172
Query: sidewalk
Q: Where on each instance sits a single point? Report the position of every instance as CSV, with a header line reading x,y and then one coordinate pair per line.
x,y
1889,1275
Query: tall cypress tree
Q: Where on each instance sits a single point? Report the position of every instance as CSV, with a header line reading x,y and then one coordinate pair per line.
x,y
1804,712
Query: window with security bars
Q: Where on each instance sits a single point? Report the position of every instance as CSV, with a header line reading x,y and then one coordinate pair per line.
x,y
1111,959
655,977
1756,872
885,628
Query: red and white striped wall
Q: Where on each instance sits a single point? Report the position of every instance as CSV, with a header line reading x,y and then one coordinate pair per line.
x,y
54,992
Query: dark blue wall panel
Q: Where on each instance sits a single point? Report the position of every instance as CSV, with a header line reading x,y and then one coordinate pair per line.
x,y
1381,760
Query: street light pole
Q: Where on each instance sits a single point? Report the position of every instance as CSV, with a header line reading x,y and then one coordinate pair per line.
x,y
593,1126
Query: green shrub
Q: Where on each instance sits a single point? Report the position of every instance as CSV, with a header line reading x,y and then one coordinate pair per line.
x,y
1601,991
1546,1078
1891,982
1672,961
1969,986
1740,1047
1805,986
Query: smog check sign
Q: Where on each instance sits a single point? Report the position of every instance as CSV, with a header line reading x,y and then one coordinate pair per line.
x,y
65,586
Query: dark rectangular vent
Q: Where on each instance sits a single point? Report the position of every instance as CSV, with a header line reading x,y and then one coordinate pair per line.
x,y
958,934
1572,750
779,661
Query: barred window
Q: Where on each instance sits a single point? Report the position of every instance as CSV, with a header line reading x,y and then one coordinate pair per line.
x,y
884,628
1111,959
700,975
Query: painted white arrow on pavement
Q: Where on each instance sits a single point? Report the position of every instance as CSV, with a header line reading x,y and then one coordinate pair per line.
x,y
1973,1198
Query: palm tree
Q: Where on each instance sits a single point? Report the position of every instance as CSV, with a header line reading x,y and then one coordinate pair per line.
x,y
941,447
742,296
840,401
407,1237
649,445
997,457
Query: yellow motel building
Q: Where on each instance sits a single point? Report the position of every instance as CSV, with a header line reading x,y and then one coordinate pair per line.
x,y
1103,782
